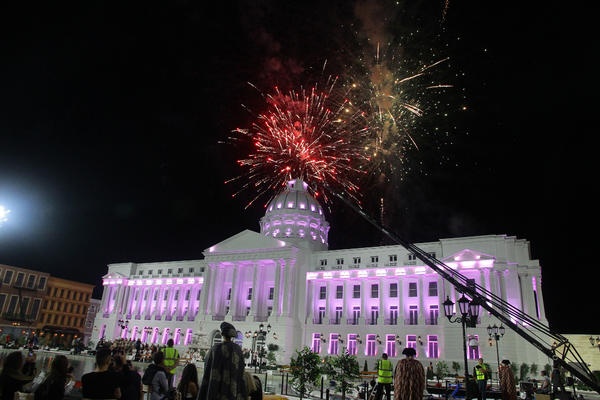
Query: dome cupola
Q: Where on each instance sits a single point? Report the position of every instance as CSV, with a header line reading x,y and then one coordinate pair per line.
x,y
297,217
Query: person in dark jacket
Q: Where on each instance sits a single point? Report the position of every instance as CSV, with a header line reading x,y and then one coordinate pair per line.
x,y
130,382
224,369
17,372
53,387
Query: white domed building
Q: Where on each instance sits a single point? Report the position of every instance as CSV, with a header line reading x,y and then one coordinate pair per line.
x,y
367,300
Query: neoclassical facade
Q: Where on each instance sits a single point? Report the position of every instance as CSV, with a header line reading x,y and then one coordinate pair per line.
x,y
366,300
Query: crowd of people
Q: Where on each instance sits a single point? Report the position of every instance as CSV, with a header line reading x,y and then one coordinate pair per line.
x,y
114,376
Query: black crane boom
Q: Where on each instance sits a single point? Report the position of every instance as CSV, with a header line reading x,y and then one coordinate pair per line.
x,y
529,328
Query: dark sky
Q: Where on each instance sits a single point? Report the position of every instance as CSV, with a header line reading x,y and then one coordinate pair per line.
x,y
110,118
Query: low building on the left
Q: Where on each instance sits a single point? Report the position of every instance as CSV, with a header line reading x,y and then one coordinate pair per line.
x,y
36,304
22,293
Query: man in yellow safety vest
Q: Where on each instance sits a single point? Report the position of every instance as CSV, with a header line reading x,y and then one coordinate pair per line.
x,y
481,377
384,377
171,360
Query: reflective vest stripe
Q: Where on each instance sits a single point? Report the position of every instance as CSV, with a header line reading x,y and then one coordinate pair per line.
x,y
480,374
170,356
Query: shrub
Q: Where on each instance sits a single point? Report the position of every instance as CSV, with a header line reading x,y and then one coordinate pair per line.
x,y
455,367
533,369
523,371
441,369
305,370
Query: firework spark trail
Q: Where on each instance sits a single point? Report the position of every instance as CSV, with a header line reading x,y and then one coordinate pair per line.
x,y
316,135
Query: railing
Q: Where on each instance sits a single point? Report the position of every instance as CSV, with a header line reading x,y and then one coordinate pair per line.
x,y
411,321
318,321
431,321
218,317
238,318
260,318
335,321
17,317
390,321
353,321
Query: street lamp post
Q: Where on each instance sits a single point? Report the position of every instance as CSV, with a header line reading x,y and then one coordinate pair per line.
x,y
493,333
469,311
255,335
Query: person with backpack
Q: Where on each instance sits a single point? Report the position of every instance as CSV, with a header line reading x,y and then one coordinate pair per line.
x,y
155,376
53,387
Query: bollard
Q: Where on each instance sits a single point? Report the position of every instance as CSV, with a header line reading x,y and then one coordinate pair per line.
x,y
327,394
266,381
282,383
322,380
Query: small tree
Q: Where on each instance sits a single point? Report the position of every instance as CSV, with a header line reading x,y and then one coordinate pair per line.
x,y
344,370
271,358
441,369
533,369
305,369
455,367
523,371
272,347
548,369
515,368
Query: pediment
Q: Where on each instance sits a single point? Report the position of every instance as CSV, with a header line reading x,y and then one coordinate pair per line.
x,y
114,275
468,259
246,240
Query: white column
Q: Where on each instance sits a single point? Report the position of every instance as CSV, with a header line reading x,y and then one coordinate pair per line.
x,y
235,292
345,299
381,318
400,301
422,293
207,282
290,276
363,300
327,302
310,304
253,302
277,291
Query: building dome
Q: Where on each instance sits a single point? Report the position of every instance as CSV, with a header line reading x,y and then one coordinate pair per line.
x,y
296,216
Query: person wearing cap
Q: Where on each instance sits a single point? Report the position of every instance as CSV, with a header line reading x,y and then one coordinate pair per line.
x,y
223,377
481,376
507,381
384,377
409,377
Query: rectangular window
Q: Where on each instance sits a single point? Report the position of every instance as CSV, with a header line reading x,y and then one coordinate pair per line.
x,y
393,315
411,341
411,257
393,257
374,259
535,297
150,272
432,346
316,343
179,270
356,292
71,307
228,294
323,292
374,291
321,315
271,293
355,315
199,293
374,314
393,290
160,272
30,281
371,347
412,289
12,305
431,254
434,313
338,315
269,311
433,290
141,272
41,283
24,305
413,315
19,280
2,301
191,270
62,320
170,271
339,292
473,347
339,261
323,262
352,348
390,345
249,297
333,343
356,260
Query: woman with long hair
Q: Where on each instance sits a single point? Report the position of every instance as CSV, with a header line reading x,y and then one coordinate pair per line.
x,y
188,385
507,381
12,377
53,387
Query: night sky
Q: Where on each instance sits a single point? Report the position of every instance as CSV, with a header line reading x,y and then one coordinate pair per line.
x,y
111,118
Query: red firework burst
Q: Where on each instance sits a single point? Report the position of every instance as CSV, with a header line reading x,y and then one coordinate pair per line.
x,y
315,135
